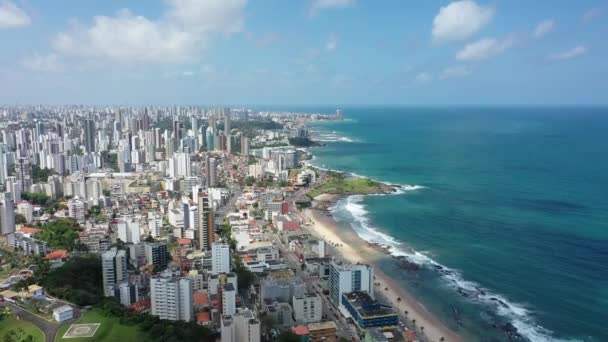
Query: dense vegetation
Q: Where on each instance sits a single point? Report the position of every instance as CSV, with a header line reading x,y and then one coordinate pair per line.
x,y
155,328
60,234
302,142
35,197
339,184
41,175
78,280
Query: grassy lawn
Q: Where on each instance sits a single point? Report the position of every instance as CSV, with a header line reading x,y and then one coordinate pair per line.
x,y
110,330
337,185
22,327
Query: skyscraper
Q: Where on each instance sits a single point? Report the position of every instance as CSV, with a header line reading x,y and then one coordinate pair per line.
x,y
205,222
171,297
211,176
7,214
220,258
23,170
244,146
227,133
114,269
89,135
346,278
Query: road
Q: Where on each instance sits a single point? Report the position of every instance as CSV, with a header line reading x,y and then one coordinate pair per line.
x,y
48,328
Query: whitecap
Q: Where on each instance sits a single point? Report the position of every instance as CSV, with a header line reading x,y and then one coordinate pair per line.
x,y
518,315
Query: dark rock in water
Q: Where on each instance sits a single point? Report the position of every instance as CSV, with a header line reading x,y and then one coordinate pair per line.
x,y
438,267
407,265
511,332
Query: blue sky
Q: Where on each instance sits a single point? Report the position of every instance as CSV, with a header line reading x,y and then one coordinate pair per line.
x,y
279,52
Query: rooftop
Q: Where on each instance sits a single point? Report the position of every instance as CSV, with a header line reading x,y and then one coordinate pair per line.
x,y
321,326
366,306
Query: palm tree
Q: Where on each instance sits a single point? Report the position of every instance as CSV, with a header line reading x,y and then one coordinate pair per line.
x,y
421,329
398,302
386,289
406,312
414,322
442,339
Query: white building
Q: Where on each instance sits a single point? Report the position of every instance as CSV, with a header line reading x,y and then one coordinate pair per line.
x,y
128,232
76,209
307,308
63,313
220,257
7,214
345,278
171,297
155,224
114,270
26,210
228,299
127,293
241,327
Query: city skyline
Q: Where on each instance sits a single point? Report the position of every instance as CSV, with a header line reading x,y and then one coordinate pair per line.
x,y
318,52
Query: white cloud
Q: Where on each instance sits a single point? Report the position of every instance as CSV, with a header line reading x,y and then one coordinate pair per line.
x,y
46,63
484,48
178,36
332,42
424,77
569,54
544,27
454,72
593,14
319,5
12,16
460,20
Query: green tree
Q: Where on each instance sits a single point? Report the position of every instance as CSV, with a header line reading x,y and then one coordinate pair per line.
x,y
60,234
35,197
288,336
20,219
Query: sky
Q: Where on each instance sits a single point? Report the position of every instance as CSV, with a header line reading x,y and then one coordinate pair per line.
x,y
304,52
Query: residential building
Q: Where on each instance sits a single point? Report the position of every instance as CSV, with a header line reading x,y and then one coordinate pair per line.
x,y
7,214
171,298
114,269
156,254
307,308
367,312
346,278
205,222
220,254
322,332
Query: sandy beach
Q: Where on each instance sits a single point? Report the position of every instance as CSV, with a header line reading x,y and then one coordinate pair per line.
x,y
354,249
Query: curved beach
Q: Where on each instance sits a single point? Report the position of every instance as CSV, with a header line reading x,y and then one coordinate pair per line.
x,y
354,249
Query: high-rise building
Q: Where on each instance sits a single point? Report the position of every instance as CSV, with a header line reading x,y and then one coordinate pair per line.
x,y
241,327
23,170
3,164
227,133
228,299
76,209
89,135
220,258
126,293
177,132
210,137
346,278
211,176
114,270
7,214
171,297
244,145
26,210
156,254
205,222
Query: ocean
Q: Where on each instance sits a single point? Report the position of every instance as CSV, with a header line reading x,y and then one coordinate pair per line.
x,y
505,209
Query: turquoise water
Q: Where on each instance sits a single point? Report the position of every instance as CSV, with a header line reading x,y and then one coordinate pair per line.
x,y
513,206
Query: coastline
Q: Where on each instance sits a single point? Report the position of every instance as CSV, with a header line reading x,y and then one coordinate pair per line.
x,y
354,249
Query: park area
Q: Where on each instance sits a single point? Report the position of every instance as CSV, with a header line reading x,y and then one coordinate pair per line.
x,y
19,330
93,326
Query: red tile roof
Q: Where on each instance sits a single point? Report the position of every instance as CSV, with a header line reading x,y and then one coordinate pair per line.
x,y
29,230
200,298
58,254
184,241
300,330
202,317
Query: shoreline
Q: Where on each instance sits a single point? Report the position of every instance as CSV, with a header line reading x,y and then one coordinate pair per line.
x,y
353,248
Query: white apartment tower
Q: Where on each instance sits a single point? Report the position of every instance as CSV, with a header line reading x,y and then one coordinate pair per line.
x,y
220,258
7,214
114,270
171,297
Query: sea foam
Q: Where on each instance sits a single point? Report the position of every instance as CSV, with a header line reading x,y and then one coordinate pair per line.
x,y
518,315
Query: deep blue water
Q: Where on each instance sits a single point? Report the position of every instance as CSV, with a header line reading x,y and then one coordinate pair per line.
x,y
515,204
